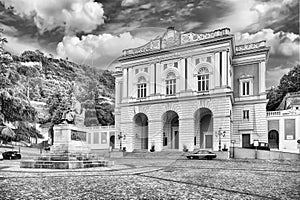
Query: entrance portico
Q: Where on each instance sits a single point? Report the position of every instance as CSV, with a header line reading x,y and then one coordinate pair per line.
x,y
203,121
170,130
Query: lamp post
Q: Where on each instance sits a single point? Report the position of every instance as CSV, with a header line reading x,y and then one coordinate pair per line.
x,y
255,143
220,133
120,137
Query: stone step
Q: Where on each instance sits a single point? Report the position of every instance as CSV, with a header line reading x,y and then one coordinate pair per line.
x,y
162,154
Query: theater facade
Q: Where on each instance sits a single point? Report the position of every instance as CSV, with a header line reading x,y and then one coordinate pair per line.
x,y
190,90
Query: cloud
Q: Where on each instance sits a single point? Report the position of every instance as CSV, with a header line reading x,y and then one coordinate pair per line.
x,y
274,75
128,3
96,50
281,43
254,15
74,15
17,45
284,52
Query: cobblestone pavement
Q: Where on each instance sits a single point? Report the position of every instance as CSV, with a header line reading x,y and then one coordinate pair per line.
x,y
157,179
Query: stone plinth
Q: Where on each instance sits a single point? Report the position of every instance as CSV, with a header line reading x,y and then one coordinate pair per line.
x,y
63,142
69,151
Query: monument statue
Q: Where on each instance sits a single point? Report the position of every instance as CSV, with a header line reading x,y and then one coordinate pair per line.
x,y
74,115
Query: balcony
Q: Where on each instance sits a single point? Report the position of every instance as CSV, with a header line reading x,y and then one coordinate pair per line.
x,y
283,113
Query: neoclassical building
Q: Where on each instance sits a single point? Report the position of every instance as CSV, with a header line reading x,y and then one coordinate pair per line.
x,y
191,90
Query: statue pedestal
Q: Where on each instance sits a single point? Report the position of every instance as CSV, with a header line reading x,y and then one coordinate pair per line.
x,y
67,152
63,142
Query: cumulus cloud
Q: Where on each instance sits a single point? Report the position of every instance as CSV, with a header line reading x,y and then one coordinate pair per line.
x,y
254,15
74,15
281,43
127,3
17,45
274,75
284,52
97,50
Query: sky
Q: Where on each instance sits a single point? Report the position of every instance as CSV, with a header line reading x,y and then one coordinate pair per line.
x,y
95,32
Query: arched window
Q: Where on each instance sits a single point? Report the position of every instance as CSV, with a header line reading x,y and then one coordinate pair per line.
x,y
171,84
203,79
141,87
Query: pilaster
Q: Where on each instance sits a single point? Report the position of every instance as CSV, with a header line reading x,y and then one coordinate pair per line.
x,y
125,87
262,75
217,69
130,83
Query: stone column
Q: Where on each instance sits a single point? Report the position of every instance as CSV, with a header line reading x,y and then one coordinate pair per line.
x,y
155,134
224,68
130,83
159,78
182,74
151,83
125,83
217,69
262,76
190,71
186,133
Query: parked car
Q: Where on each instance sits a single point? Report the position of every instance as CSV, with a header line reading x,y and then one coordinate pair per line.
x,y
1,157
11,155
201,154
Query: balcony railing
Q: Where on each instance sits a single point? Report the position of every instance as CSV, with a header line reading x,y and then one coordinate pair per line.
x,y
282,113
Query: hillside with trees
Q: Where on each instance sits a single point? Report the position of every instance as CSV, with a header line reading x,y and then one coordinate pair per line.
x,y
33,76
289,82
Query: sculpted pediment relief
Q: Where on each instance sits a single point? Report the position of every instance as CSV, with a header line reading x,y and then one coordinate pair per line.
x,y
172,38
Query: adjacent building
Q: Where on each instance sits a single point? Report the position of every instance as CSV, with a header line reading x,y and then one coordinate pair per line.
x,y
284,124
189,90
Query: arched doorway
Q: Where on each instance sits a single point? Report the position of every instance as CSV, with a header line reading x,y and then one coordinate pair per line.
x,y
140,131
273,139
203,121
112,141
170,130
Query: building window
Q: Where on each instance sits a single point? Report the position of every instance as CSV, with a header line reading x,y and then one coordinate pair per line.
x,y
246,85
289,129
171,84
208,59
103,138
246,88
245,114
142,90
96,138
203,79
176,64
165,66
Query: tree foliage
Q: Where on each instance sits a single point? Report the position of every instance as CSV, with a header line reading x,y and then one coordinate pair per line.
x,y
35,76
289,82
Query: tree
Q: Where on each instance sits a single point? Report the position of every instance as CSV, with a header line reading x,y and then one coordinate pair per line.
x,y
14,105
289,82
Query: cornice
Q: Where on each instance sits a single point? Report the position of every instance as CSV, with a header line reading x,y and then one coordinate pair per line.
x,y
179,99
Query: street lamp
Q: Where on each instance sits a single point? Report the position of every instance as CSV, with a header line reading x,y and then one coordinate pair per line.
x,y
120,137
220,133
